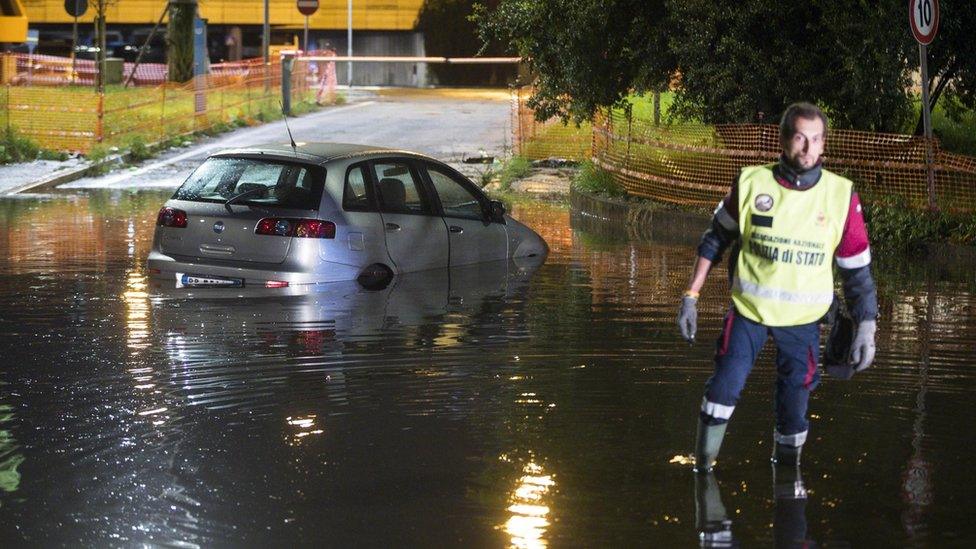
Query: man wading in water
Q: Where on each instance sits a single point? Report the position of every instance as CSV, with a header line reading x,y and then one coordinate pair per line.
x,y
785,222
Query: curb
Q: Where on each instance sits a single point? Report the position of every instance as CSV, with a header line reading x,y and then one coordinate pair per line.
x,y
61,177
643,220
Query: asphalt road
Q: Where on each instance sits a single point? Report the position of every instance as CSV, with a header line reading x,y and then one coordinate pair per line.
x,y
447,128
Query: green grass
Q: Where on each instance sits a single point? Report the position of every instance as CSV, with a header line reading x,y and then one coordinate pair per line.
x,y
594,179
14,147
643,106
560,141
957,133
67,116
513,169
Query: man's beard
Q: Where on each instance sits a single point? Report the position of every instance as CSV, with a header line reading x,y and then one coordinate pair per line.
x,y
795,164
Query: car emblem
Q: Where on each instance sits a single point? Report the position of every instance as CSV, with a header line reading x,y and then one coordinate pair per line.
x,y
764,203
219,227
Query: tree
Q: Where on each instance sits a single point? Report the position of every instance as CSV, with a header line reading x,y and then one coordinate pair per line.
x,y
180,39
585,54
952,59
734,59
741,58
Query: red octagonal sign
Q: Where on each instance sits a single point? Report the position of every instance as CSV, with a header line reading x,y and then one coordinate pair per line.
x,y
923,16
308,7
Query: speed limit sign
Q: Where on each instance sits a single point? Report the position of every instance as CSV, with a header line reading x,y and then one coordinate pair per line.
x,y
923,16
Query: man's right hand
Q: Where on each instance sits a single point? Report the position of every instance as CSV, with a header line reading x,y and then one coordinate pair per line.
x,y
688,318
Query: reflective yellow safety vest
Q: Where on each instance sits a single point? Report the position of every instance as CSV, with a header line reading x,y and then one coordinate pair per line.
x,y
784,275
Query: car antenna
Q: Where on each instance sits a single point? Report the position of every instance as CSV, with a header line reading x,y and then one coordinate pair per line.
x,y
294,147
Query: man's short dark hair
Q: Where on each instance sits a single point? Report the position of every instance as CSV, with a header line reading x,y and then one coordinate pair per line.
x,y
808,111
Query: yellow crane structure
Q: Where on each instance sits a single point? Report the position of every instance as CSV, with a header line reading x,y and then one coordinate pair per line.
x,y
13,22
331,15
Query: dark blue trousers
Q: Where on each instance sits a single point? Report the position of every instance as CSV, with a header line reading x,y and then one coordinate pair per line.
x,y
797,355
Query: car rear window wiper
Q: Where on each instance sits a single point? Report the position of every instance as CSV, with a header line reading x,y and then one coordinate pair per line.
x,y
250,192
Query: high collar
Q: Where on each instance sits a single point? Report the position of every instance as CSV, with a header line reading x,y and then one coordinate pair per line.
x,y
799,179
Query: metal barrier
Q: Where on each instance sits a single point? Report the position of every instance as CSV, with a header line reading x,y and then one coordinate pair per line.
x,y
694,164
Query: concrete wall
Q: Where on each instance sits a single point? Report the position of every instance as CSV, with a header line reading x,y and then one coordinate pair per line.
x,y
374,43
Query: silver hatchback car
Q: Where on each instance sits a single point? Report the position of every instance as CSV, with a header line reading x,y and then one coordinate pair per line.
x,y
276,216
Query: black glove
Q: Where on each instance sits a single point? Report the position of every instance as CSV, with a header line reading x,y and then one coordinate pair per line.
x,y
688,318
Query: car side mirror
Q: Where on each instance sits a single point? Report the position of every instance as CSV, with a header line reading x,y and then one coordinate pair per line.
x,y
497,213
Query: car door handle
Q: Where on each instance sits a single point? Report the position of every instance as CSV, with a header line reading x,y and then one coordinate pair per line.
x,y
392,227
455,229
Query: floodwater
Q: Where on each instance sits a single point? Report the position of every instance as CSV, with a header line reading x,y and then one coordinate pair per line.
x,y
515,405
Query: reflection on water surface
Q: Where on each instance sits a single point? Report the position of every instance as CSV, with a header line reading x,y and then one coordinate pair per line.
x,y
503,405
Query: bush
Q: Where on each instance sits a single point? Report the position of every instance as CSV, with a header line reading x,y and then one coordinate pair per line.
x,y
98,156
46,154
893,224
594,179
515,168
138,149
16,148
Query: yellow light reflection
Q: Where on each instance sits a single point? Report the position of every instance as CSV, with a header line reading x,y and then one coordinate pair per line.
x,y
683,460
529,514
304,426
136,300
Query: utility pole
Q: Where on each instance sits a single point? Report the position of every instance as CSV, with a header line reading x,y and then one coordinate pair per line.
x,y
100,8
266,47
349,40
266,34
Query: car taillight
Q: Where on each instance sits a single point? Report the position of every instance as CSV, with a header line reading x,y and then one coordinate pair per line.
x,y
171,217
300,228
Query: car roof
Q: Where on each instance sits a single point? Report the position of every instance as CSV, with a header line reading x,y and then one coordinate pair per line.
x,y
318,153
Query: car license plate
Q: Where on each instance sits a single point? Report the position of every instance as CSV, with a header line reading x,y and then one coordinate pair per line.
x,y
184,280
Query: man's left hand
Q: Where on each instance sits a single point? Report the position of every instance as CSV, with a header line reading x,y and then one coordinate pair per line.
x,y
862,349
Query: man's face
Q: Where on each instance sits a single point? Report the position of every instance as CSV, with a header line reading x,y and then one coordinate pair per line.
x,y
803,150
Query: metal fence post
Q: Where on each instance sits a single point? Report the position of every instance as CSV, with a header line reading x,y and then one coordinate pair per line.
x,y
100,117
162,114
630,131
286,65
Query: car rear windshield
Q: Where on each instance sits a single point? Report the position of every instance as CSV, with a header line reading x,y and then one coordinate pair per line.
x,y
266,183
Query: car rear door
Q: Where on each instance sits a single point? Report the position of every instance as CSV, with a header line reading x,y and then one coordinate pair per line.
x,y
473,236
416,237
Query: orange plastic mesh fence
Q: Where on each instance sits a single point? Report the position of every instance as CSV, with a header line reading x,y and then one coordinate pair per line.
x,y
694,164
54,118
552,138
76,118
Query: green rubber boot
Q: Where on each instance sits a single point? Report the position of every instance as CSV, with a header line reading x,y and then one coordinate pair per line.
x,y
786,455
711,519
707,445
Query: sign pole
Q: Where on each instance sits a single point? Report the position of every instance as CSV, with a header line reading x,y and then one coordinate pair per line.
x,y
923,20
927,125
305,43
74,9
74,46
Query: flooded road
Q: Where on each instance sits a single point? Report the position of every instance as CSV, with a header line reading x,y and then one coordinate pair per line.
x,y
515,405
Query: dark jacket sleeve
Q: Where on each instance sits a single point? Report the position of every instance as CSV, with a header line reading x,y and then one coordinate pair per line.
x,y
853,257
860,293
724,228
